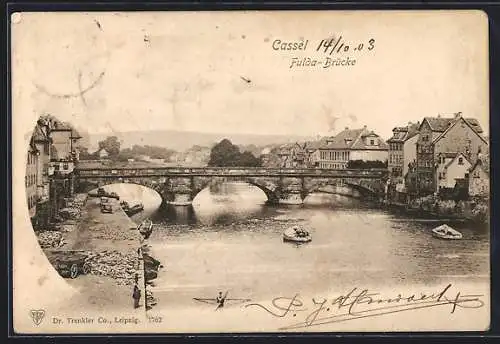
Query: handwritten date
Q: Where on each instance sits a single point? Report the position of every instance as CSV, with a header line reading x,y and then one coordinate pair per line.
x,y
339,45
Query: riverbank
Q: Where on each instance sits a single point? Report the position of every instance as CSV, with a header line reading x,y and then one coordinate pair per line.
x,y
476,211
110,243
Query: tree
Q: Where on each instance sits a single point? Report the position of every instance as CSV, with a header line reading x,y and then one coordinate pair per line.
x,y
111,145
225,154
85,155
361,164
248,159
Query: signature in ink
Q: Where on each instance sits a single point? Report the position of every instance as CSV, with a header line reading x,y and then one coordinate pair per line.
x,y
361,303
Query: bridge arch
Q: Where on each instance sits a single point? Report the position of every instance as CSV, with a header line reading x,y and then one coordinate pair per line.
x,y
88,185
268,187
339,187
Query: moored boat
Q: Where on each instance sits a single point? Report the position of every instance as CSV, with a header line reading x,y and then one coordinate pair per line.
x,y
146,228
446,232
296,234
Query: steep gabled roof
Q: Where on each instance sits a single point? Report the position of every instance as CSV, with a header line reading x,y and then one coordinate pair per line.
x,y
452,124
441,124
474,123
438,124
39,135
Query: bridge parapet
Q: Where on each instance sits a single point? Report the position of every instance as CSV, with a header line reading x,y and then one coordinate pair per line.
x,y
225,171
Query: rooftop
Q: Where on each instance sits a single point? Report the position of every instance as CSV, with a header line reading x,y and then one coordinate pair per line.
x,y
440,124
353,139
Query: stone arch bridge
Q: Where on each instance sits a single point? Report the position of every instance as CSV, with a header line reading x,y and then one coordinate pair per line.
x,y
179,185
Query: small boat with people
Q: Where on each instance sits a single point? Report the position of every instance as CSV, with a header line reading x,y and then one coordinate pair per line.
x,y
146,228
446,232
296,234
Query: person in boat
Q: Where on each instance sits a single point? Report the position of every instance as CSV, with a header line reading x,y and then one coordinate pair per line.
x,y
298,232
301,233
220,300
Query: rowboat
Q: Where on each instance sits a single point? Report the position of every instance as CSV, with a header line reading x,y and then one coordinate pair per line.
x,y
446,232
296,234
221,300
146,228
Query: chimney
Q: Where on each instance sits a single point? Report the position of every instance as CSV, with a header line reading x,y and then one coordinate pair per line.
x,y
439,115
458,114
364,127
346,128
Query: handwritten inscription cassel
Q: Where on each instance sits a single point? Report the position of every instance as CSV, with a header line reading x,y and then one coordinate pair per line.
x,y
329,47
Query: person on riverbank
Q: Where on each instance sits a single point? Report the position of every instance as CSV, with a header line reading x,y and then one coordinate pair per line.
x,y
136,296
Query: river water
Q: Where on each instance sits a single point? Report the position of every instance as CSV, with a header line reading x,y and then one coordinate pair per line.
x,y
230,240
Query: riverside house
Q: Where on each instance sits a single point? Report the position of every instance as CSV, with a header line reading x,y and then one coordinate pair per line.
x,y
352,144
52,149
402,151
450,168
444,135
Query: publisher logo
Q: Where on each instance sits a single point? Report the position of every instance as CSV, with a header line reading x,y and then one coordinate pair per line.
x,y
37,315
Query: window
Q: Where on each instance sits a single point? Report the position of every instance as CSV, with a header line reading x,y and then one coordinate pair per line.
x,y
372,142
460,161
65,166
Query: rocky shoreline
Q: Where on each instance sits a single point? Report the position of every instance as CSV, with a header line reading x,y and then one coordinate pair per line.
x,y
475,211
106,242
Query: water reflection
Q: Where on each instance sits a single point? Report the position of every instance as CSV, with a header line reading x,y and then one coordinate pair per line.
x,y
229,239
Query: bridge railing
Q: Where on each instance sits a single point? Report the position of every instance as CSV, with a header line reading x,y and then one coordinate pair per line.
x,y
107,171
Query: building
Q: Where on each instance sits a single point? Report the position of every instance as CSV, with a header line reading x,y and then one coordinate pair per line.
x,y
293,155
402,151
31,177
102,153
351,144
410,151
479,177
313,153
52,154
443,135
449,168
397,163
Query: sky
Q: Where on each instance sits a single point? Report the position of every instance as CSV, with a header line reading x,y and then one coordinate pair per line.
x,y
183,71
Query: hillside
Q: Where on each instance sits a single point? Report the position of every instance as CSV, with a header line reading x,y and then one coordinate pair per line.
x,y
182,140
